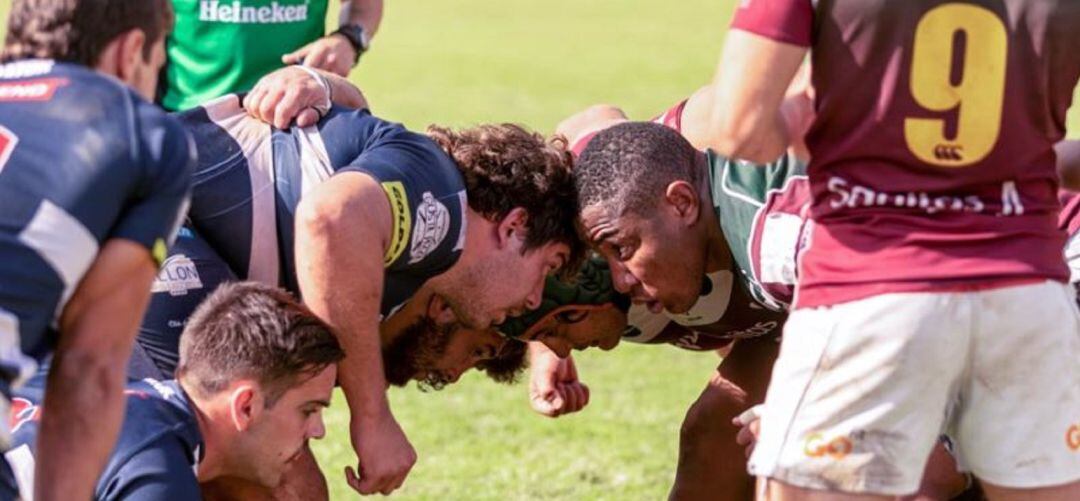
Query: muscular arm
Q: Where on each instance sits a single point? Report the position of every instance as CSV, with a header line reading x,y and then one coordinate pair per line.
x,y
746,117
1068,163
84,398
342,230
367,13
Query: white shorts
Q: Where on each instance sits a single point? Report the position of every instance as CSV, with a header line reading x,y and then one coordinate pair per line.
x,y
862,390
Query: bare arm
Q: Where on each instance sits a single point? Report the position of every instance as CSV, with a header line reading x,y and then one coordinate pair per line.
x,y
342,229
366,13
1068,163
554,387
751,81
84,397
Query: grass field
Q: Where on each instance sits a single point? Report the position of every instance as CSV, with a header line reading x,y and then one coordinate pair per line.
x,y
462,62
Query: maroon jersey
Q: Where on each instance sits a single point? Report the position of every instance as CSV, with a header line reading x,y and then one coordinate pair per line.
x,y
933,161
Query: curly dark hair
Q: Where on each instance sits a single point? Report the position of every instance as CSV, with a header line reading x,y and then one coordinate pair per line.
x,y
78,30
507,366
507,166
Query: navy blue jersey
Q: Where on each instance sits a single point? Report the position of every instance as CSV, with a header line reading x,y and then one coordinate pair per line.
x,y
251,177
157,453
83,160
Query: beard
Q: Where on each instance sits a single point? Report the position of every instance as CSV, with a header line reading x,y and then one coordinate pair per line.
x,y
416,351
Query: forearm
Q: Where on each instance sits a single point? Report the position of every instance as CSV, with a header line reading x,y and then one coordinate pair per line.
x,y
367,13
84,405
84,396
343,92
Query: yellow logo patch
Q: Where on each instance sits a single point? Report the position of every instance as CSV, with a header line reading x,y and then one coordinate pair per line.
x,y
399,212
159,252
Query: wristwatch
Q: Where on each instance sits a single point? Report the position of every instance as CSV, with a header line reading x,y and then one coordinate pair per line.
x,y
356,36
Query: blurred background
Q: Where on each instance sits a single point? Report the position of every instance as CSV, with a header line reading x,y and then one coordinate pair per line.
x,y
463,62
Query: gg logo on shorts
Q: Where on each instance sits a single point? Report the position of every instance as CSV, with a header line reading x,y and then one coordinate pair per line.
x,y
1072,437
816,446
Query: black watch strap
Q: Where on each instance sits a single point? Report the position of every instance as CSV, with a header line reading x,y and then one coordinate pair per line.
x,y
354,33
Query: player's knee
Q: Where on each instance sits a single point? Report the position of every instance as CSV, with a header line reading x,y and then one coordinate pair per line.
x,y
708,422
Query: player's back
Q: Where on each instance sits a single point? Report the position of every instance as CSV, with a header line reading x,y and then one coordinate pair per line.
x,y
156,452
933,162
252,176
78,155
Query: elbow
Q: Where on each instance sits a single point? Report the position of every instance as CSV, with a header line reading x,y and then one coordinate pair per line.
x,y
97,373
744,140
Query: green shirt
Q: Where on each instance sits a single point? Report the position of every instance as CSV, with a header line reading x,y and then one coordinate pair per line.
x,y
740,195
222,46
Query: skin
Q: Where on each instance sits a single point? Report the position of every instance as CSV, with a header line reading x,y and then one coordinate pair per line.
x,y
334,53
249,441
97,328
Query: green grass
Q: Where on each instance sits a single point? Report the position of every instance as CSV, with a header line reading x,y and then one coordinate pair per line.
x,y
461,62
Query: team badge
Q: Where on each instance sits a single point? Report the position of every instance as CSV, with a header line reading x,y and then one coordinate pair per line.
x,y
177,276
432,224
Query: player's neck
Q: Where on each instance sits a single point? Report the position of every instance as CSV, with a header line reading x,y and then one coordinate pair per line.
x,y
717,252
211,465
479,232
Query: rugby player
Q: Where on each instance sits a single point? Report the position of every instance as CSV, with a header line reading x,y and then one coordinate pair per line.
x,y
256,370
932,288
93,181
356,214
724,317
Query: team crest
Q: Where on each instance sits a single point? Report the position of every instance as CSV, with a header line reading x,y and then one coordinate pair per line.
x,y
432,224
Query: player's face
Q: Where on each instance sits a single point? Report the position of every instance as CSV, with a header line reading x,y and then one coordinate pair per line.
x,y
145,73
506,283
577,327
437,355
654,259
283,429
463,350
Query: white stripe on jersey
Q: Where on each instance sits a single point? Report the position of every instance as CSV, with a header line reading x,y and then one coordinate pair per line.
x,y
253,137
463,199
314,160
64,243
22,465
11,355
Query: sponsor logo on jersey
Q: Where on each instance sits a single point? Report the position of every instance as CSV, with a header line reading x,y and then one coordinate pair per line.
x,y
432,224
759,329
177,276
41,89
162,389
817,445
215,11
1072,437
399,213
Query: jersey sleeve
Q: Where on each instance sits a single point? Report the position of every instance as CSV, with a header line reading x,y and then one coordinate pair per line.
x,y
158,471
167,154
787,21
427,201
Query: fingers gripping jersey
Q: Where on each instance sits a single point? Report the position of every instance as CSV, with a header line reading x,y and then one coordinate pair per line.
x,y
157,452
251,177
82,160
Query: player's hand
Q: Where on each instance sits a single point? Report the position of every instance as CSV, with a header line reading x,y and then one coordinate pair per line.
x,y
749,423
554,387
385,455
286,94
333,53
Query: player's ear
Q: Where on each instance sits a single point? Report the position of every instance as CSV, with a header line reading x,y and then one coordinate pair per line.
x,y
683,200
512,226
439,311
244,403
129,54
